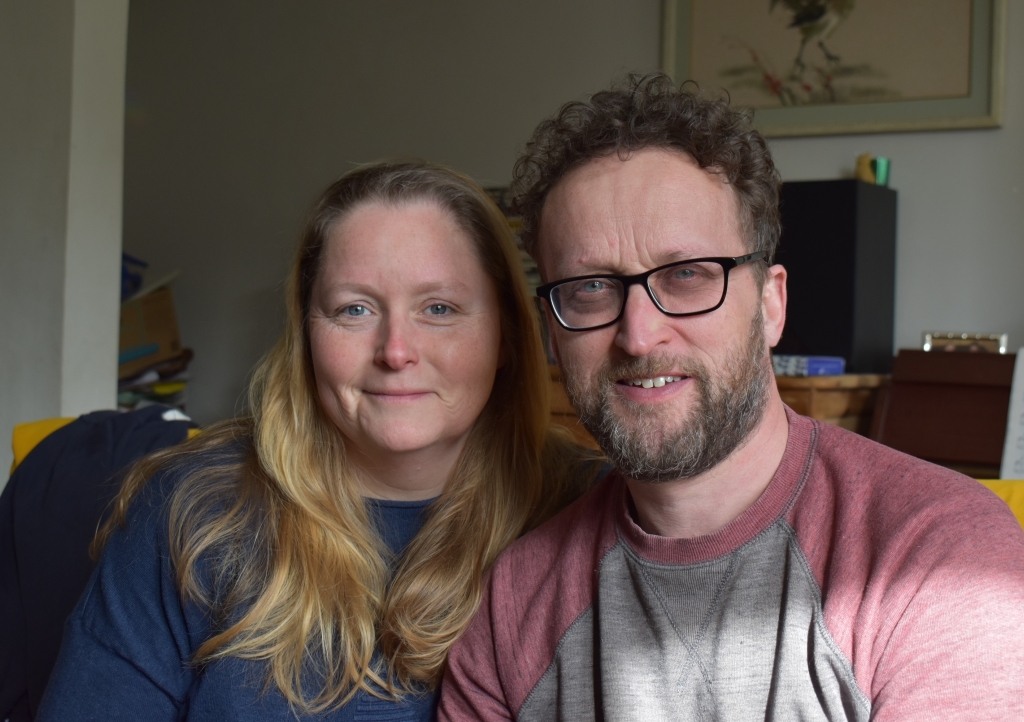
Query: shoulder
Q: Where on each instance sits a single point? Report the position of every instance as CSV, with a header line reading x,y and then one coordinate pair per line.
x,y
554,563
580,530
893,488
538,588
171,501
873,517
870,515
553,567
900,547
197,469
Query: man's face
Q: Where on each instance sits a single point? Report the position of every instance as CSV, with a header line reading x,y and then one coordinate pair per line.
x,y
667,398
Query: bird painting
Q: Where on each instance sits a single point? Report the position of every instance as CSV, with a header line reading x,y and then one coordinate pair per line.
x,y
816,20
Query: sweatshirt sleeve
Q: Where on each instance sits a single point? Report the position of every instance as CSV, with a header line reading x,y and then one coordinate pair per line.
x,y
956,646
472,689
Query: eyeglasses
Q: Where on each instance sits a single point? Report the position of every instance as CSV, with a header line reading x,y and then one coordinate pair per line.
x,y
684,288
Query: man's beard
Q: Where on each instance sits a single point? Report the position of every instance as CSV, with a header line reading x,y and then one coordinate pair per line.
x,y
648,447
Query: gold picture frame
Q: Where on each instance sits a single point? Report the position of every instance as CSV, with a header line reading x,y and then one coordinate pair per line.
x,y
844,88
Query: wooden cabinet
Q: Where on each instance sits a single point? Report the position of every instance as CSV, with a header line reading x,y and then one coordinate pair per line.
x,y
846,400
950,408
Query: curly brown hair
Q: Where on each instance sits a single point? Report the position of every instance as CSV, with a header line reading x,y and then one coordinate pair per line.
x,y
650,111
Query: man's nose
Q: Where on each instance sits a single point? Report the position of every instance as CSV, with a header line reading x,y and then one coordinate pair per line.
x,y
642,326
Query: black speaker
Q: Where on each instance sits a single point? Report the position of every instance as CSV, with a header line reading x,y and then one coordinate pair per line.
x,y
839,247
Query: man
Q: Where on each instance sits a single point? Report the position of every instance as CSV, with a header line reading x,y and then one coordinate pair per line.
x,y
742,562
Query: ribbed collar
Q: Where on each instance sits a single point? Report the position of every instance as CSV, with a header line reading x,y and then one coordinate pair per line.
x,y
774,502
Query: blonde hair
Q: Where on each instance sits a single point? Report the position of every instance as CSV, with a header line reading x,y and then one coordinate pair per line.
x,y
298,571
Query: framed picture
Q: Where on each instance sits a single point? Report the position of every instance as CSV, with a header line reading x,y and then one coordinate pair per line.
x,y
844,66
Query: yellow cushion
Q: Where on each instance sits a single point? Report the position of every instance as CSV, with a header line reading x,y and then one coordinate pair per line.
x,y
1011,491
27,435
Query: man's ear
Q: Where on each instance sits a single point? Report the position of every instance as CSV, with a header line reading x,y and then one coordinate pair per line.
x,y
773,304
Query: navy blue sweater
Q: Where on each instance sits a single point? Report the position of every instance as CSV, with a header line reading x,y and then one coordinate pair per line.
x,y
128,644
49,511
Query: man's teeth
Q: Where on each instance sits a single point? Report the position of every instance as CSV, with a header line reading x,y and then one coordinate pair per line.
x,y
656,382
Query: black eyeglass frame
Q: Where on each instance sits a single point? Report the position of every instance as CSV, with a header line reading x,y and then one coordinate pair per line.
x,y
726,262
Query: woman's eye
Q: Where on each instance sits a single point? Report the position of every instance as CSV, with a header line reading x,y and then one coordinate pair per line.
x,y
439,309
354,311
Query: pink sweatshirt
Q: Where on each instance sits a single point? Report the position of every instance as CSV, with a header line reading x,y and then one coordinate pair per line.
x,y
863,584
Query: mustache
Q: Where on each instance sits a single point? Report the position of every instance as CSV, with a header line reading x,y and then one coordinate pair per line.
x,y
649,367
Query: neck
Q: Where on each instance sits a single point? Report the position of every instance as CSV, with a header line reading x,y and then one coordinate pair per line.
x,y
704,504
404,476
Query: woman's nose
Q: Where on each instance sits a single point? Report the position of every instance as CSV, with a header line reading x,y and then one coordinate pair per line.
x,y
396,348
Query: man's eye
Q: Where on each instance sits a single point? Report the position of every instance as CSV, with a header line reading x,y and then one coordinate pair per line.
x,y
585,287
439,309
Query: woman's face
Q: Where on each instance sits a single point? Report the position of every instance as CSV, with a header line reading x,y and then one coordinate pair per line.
x,y
405,333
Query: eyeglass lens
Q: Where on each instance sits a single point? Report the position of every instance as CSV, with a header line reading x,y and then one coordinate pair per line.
x,y
682,288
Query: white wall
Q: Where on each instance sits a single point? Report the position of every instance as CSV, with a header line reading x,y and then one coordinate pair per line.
x,y
239,111
93,239
61,148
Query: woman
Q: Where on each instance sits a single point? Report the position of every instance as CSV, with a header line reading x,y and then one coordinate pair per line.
x,y
320,556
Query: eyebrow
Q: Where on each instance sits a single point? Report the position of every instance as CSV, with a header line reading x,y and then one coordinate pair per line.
x,y
666,259
422,289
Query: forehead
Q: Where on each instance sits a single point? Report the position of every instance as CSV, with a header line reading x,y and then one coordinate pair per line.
x,y
656,206
405,239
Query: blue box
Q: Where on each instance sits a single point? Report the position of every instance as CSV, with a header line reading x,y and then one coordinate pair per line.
x,y
786,365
